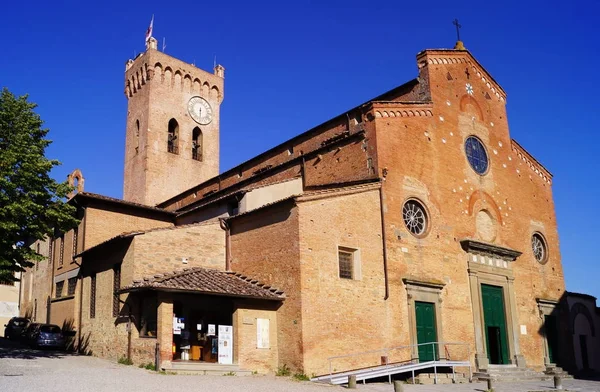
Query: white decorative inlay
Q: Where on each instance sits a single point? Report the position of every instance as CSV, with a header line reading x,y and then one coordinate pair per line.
x,y
469,89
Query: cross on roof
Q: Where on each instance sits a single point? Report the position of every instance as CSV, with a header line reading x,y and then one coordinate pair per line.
x,y
458,26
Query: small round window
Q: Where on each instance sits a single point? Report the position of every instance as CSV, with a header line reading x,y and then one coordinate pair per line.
x,y
415,217
476,154
540,250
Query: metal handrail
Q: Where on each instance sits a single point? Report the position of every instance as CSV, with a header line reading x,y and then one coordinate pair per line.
x,y
387,350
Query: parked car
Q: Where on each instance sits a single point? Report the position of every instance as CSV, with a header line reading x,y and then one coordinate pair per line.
x,y
46,335
15,327
28,332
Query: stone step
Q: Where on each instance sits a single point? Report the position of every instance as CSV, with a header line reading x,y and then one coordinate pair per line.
x,y
511,373
442,378
199,368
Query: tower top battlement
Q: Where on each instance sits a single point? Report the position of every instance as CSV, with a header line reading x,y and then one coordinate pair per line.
x,y
155,64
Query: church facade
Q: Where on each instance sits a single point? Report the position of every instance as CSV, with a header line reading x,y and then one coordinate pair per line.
x,y
412,224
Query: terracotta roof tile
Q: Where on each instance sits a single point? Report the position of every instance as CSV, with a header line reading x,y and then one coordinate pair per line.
x,y
207,281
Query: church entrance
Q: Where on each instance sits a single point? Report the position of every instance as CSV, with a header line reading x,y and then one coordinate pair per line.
x,y
426,331
495,324
550,325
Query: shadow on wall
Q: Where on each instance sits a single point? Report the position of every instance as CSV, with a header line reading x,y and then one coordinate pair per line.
x,y
569,329
74,344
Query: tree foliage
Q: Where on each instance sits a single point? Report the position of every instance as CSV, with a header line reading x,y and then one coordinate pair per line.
x,y
32,204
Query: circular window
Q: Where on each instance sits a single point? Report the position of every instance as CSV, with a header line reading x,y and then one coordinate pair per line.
x,y
476,154
415,217
538,245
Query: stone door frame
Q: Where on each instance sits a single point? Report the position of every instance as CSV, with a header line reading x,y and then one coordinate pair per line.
x,y
546,307
490,264
421,291
484,274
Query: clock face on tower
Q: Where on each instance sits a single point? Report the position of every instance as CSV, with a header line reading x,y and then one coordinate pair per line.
x,y
200,110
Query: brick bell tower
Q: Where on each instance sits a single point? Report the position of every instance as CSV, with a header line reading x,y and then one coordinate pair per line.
x,y
172,136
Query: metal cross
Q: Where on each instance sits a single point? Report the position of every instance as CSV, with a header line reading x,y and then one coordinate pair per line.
x,y
458,26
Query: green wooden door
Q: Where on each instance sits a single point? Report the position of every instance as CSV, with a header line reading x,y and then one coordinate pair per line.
x,y
551,337
495,324
426,332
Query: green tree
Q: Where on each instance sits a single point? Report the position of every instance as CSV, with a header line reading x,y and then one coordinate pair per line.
x,y
32,204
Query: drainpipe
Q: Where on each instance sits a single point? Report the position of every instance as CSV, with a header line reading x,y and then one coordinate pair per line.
x,y
384,243
225,226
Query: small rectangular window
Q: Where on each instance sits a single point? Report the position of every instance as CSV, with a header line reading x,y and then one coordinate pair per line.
x,y
72,284
59,289
93,297
62,250
50,247
116,287
346,261
75,235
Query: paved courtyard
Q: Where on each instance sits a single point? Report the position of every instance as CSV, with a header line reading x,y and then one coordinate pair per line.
x,y
34,370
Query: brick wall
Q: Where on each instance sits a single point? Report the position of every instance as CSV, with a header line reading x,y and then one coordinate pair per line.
x,y
105,223
344,316
158,88
516,194
265,247
248,356
163,251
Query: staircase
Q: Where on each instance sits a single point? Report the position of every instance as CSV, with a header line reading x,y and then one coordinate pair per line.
x,y
553,370
508,373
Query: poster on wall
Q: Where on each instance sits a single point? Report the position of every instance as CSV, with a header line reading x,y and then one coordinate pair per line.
x,y
225,344
211,330
262,333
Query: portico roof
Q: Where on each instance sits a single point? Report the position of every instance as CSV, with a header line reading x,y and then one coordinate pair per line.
x,y
207,281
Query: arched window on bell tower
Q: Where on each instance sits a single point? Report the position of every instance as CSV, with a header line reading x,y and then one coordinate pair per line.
x,y
197,144
173,137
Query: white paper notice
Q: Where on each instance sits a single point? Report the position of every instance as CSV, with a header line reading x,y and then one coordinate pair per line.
x,y
262,333
523,329
225,344
211,330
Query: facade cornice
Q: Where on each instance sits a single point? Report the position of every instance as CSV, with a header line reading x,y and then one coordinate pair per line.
x,y
401,109
474,246
533,163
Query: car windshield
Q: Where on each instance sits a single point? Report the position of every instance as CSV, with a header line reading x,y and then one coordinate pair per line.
x,y
20,323
50,329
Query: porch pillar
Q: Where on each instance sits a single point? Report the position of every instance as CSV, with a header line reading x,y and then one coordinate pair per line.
x,y
164,326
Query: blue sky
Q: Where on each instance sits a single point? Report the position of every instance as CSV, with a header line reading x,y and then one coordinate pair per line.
x,y
292,65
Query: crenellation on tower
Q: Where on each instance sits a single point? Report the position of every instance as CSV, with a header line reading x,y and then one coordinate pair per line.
x,y
172,138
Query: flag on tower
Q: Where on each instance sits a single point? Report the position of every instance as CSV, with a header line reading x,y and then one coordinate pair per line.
x,y
149,31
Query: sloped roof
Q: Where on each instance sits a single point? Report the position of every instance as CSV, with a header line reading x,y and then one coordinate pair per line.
x,y
207,281
111,200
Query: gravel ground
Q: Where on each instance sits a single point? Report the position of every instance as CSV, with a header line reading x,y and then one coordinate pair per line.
x,y
33,370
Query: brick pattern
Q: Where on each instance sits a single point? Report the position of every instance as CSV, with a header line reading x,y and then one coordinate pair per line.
x,y
158,88
164,251
518,200
248,356
265,246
